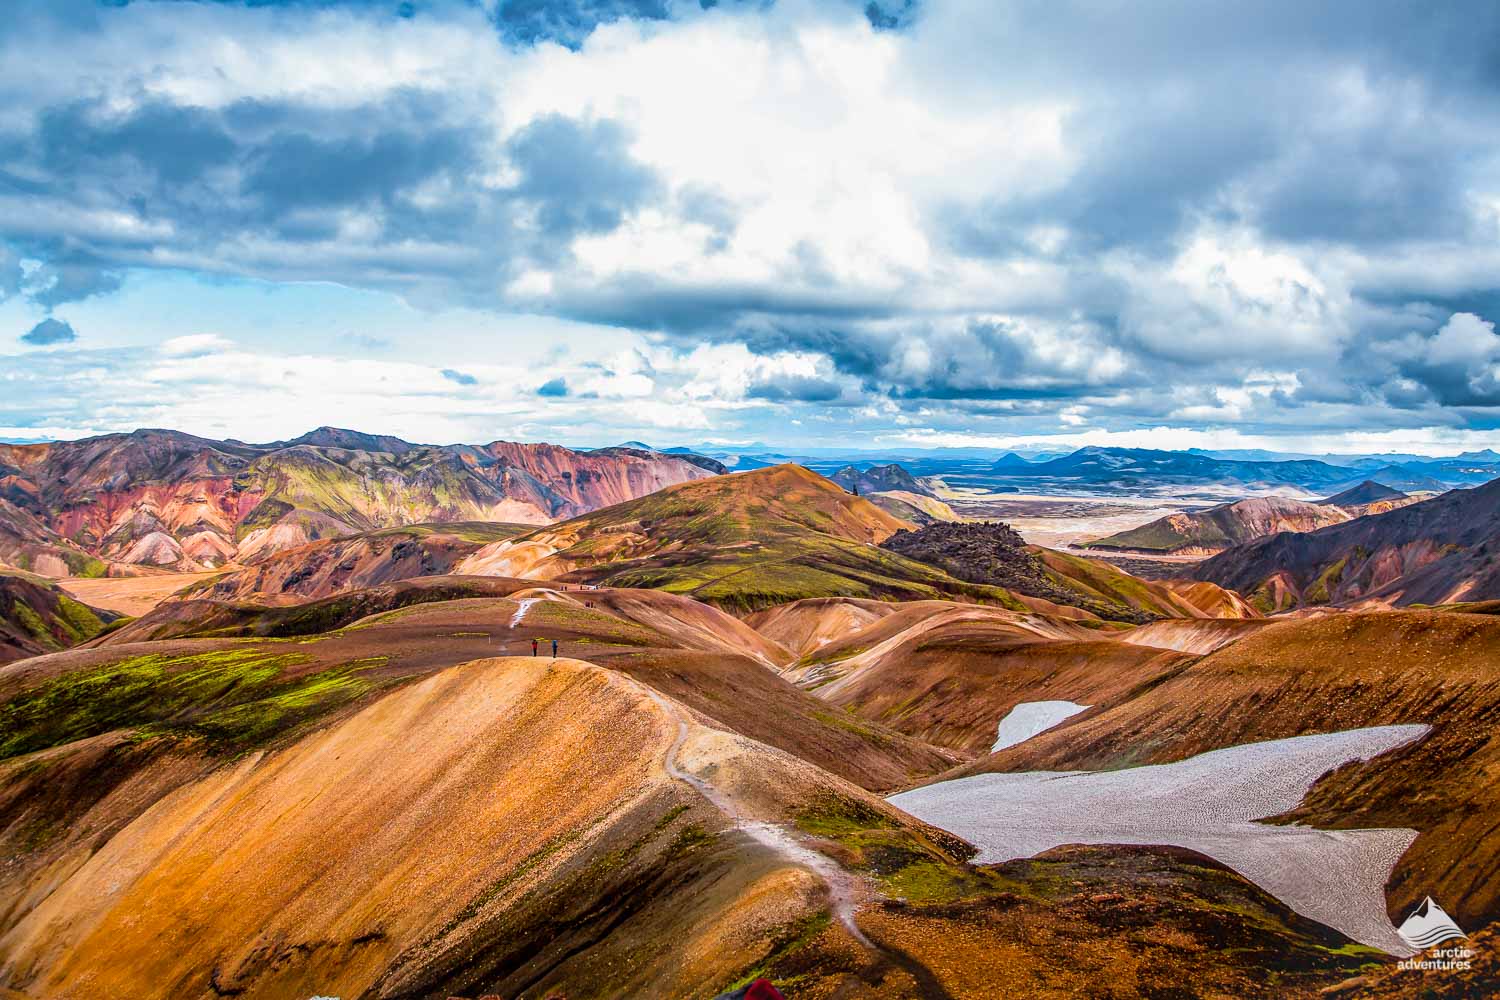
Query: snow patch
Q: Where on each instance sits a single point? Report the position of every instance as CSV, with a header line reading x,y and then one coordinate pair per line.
x,y
526,602
1031,717
1206,803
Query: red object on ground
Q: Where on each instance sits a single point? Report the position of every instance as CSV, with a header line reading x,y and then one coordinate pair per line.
x,y
762,989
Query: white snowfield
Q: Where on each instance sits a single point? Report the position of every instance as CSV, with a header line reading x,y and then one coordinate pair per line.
x,y
1031,717
1206,803
522,606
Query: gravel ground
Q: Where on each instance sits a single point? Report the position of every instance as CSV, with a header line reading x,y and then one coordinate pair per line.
x,y
1031,717
1206,803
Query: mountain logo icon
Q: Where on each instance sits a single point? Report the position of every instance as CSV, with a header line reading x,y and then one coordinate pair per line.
x,y
1428,925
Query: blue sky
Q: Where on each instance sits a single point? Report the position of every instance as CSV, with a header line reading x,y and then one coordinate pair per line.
x,y
941,222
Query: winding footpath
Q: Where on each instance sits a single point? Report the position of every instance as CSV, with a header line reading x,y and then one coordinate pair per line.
x,y
843,893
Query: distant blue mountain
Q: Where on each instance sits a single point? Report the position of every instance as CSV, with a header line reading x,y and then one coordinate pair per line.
x,y
1145,466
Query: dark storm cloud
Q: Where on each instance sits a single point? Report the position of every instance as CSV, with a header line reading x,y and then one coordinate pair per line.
x,y
725,311
795,388
410,167
1459,365
172,143
1351,123
1153,168
578,175
50,331
295,170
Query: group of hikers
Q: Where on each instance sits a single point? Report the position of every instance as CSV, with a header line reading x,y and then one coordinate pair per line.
x,y
535,642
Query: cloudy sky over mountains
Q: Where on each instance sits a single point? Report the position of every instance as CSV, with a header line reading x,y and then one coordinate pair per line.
x,y
925,222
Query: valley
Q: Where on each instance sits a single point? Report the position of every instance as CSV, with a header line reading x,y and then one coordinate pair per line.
x,y
786,734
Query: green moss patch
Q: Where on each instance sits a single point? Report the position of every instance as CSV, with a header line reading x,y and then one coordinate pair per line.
x,y
233,698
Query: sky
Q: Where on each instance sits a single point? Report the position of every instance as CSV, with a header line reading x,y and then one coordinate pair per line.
x,y
906,223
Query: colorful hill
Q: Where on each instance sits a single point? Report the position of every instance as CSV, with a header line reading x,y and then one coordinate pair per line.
x,y
1213,530
349,562
1439,551
743,541
947,673
37,617
29,545
170,500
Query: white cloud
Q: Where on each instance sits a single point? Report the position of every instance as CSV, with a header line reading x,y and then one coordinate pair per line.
x,y
194,345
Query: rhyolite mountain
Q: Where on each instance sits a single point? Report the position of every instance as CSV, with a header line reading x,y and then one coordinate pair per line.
x,y
161,498
28,543
1215,529
1210,531
742,541
1440,551
746,540
36,617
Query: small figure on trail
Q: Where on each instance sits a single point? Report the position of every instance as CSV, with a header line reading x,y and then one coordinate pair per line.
x,y
554,649
533,647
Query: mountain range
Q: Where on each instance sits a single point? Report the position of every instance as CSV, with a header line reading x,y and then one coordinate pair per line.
x,y
158,500
165,499
1135,468
1119,466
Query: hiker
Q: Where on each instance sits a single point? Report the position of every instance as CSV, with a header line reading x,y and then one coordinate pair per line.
x,y
554,649
533,647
